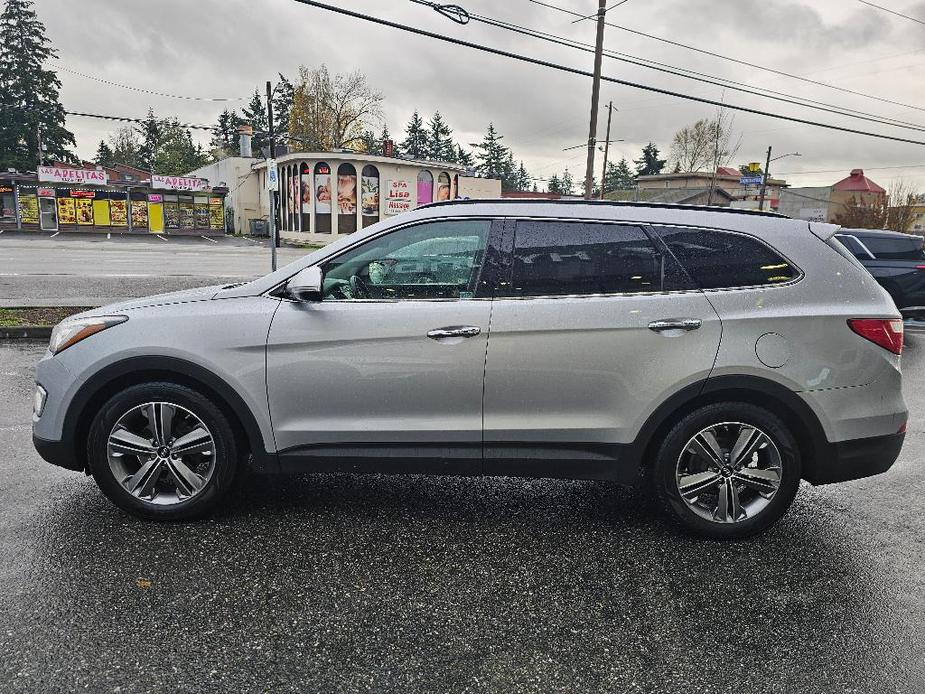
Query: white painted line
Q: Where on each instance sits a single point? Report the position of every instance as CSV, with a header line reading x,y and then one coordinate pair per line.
x,y
207,238
108,236
55,234
2,230
161,237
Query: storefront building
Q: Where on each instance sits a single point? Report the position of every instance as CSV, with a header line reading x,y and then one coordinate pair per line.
x,y
62,199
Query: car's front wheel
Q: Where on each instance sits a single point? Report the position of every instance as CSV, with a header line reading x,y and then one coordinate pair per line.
x,y
162,451
727,470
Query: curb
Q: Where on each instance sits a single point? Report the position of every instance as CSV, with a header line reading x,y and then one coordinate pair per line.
x,y
26,332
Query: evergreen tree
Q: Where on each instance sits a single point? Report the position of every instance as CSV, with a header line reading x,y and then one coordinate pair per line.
x,y
439,141
523,178
567,184
176,153
150,132
282,106
255,114
464,157
492,157
29,99
415,145
125,147
103,155
619,176
225,140
649,164
368,142
552,185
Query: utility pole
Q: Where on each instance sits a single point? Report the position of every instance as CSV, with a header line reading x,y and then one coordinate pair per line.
x,y
272,158
606,147
595,96
764,180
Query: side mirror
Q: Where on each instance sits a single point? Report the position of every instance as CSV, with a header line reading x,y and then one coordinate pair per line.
x,y
306,285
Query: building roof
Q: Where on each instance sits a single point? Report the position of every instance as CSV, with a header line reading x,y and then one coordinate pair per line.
x,y
354,156
857,182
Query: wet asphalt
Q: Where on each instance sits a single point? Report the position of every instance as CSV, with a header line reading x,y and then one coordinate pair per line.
x,y
326,583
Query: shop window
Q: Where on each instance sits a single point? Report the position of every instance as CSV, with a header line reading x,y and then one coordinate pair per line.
x,y
7,203
305,195
187,212
455,192
118,212
171,212
425,187
294,199
346,199
443,186
28,206
369,195
322,188
201,211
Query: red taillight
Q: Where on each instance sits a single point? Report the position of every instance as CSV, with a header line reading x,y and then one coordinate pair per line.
x,y
920,267
885,332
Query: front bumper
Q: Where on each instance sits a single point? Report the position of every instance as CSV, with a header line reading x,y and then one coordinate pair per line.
x,y
57,453
857,458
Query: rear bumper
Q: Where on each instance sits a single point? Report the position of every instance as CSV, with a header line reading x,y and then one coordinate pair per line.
x,y
851,460
57,453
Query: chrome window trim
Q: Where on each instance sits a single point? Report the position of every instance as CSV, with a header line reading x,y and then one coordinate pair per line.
x,y
860,243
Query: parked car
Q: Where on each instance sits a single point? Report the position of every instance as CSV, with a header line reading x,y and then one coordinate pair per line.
x,y
718,356
896,260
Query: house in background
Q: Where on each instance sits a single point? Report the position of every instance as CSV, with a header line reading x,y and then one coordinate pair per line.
x,y
825,203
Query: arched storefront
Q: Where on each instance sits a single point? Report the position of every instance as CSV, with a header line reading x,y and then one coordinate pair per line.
x,y
346,199
369,195
425,187
321,187
443,186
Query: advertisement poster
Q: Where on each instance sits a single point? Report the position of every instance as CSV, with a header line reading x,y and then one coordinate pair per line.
x,y
443,187
306,194
29,209
118,213
347,194
216,216
294,194
66,212
370,195
139,214
202,216
84,207
323,193
397,197
171,215
187,217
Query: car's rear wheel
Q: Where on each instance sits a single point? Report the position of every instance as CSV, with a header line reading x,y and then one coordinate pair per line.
x,y
162,451
727,470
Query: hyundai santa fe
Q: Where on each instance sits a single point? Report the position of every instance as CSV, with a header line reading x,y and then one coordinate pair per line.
x,y
716,356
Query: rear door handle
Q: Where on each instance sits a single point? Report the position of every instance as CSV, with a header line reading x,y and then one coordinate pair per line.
x,y
685,324
454,331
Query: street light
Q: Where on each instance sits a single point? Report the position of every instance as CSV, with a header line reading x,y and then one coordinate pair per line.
x,y
767,166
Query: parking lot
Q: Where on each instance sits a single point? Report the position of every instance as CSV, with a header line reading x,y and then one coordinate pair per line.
x,y
369,583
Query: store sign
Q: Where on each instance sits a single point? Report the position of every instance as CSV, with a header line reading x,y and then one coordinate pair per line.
x,y
45,192
750,180
397,197
272,175
60,174
155,197
178,183
6,189
83,194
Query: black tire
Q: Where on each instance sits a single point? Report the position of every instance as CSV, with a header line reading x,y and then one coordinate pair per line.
x,y
663,470
226,455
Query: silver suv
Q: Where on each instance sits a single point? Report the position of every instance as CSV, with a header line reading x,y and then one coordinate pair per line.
x,y
718,356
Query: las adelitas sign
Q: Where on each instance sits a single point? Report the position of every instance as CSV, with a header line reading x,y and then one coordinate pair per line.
x,y
178,183
63,174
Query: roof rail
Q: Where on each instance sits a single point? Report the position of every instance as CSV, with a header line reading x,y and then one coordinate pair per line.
x,y
611,203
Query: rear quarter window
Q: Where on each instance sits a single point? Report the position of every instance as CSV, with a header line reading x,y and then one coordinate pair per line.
x,y
725,260
895,248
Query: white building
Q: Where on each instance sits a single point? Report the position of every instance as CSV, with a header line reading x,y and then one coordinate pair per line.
x,y
326,194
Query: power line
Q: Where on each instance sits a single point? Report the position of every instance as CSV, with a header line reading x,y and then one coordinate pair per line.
x,y
616,4
127,119
886,9
147,91
699,76
736,60
584,73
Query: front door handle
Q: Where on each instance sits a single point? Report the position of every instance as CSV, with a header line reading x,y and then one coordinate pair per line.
x,y
454,331
685,324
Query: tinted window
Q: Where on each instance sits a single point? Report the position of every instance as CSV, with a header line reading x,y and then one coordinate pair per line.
x,y
886,248
557,258
851,243
438,260
719,259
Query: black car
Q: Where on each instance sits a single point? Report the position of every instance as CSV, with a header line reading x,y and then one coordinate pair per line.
x,y
896,260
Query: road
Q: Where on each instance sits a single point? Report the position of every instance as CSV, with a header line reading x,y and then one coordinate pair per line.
x,y
91,270
409,584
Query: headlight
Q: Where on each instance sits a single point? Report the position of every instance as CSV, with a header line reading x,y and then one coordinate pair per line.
x,y
70,331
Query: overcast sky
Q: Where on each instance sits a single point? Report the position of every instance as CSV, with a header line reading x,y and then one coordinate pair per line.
x,y
226,49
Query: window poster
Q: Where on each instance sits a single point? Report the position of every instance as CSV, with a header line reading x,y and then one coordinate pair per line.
x,y
347,193
216,215
187,216
171,215
29,209
202,216
323,193
84,209
118,213
370,195
67,214
139,214
306,194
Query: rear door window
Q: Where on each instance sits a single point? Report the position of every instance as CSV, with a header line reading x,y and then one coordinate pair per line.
x,y
895,248
725,260
566,258
853,245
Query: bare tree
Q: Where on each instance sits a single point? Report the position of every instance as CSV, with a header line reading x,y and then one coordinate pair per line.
x,y
900,213
722,147
690,147
894,211
330,112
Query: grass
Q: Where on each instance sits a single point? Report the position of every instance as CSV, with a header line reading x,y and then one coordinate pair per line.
x,y
36,316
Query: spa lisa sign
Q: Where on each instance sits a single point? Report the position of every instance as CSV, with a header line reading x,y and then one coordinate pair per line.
x,y
397,197
178,183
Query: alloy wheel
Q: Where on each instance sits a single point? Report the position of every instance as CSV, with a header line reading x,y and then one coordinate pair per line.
x,y
161,453
729,472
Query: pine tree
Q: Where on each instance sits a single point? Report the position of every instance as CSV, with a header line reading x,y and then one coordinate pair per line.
x,y
491,155
552,185
567,184
176,154
225,135
383,136
523,178
649,164
619,176
282,106
255,114
150,132
103,155
29,99
464,157
439,140
368,142
415,144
